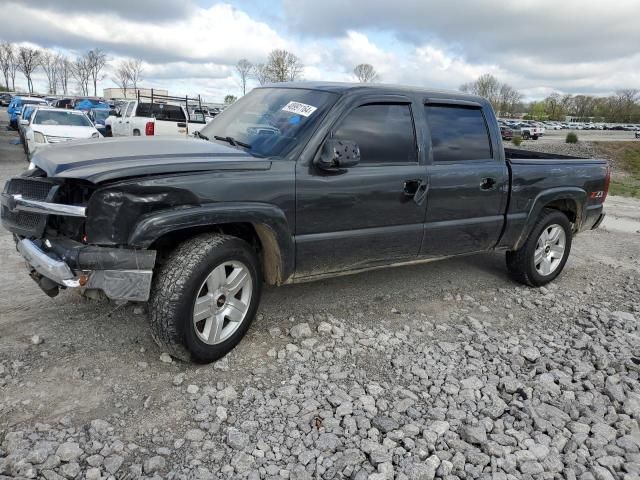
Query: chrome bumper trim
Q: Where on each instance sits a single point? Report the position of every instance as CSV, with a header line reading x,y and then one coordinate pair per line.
x,y
134,285
15,202
46,266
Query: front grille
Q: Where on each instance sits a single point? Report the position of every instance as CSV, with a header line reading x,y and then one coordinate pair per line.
x,y
24,220
27,224
51,139
29,188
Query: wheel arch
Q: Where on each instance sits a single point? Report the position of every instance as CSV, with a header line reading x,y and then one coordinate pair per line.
x,y
570,201
263,226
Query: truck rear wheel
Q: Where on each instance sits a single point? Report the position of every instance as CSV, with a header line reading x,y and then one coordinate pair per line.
x,y
204,297
544,254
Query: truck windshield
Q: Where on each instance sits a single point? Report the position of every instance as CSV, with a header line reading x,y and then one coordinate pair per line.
x,y
271,120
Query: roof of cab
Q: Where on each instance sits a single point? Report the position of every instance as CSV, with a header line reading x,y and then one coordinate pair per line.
x,y
344,87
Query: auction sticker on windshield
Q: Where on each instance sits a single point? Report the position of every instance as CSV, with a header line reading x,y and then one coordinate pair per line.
x,y
299,108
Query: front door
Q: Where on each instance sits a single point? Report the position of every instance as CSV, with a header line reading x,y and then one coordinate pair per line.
x,y
468,182
371,213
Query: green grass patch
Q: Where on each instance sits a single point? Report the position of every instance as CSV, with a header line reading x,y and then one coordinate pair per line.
x,y
625,159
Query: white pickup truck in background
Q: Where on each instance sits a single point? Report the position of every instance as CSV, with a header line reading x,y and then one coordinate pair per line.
x,y
139,118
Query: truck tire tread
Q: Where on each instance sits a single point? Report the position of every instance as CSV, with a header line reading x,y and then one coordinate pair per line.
x,y
519,262
170,287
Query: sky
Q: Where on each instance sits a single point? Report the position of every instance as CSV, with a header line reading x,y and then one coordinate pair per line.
x,y
191,46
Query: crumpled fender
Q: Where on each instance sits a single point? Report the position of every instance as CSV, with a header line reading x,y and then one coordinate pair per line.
x,y
114,210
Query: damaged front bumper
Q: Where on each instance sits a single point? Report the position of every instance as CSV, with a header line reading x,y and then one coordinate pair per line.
x,y
122,274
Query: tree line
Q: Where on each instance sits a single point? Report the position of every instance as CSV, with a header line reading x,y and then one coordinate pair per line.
x,y
86,70
621,107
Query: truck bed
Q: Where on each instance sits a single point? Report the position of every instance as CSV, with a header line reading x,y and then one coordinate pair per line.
x,y
522,154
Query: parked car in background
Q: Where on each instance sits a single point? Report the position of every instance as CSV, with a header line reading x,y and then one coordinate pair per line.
x,y
5,99
64,103
23,121
15,107
292,183
86,104
99,116
55,125
145,119
531,131
506,133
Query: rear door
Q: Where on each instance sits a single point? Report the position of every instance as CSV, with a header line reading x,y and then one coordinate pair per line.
x,y
468,181
371,213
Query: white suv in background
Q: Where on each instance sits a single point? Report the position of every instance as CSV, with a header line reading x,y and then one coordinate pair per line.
x,y
55,125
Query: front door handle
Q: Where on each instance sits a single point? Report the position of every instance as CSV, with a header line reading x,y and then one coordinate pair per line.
x,y
488,183
411,187
416,189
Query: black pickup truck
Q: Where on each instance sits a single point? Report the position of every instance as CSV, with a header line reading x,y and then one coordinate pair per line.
x,y
293,182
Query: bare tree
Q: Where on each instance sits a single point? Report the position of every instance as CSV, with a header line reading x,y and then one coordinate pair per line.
x,y
486,86
260,73
49,61
81,71
244,69
503,97
365,73
7,61
134,67
28,61
122,78
508,100
95,59
283,66
65,72
627,99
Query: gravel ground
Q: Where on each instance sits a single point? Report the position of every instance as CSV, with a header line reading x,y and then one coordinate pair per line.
x,y
447,370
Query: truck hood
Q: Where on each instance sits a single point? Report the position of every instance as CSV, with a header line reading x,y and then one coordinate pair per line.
x,y
98,160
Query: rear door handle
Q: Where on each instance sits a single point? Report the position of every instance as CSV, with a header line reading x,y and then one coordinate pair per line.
x,y
488,183
182,125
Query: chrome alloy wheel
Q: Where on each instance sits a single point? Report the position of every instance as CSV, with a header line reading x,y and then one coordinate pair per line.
x,y
549,250
222,302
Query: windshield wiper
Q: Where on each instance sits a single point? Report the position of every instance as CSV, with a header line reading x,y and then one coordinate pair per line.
x,y
232,141
199,135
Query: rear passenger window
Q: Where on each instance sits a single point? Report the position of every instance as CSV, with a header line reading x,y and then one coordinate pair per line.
x,y
458,133
384,133
172,113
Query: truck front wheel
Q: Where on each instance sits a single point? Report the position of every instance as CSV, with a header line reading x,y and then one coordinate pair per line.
x,y
545,252
205,296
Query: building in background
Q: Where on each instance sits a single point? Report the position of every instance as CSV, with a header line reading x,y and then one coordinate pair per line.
x,y
116,93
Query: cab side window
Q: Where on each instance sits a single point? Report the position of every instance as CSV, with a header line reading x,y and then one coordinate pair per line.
x,y
458,133
384,133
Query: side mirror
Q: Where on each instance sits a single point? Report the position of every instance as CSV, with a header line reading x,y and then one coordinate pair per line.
x,y
24,122
336,154
113,113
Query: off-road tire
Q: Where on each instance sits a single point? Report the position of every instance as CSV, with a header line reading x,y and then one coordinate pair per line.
x,y
176,285
520,263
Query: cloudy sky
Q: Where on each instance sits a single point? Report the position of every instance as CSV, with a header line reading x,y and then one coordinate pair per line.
x,y
191,46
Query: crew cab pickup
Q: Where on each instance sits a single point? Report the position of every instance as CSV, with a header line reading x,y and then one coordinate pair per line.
x,y
146,119
293,182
